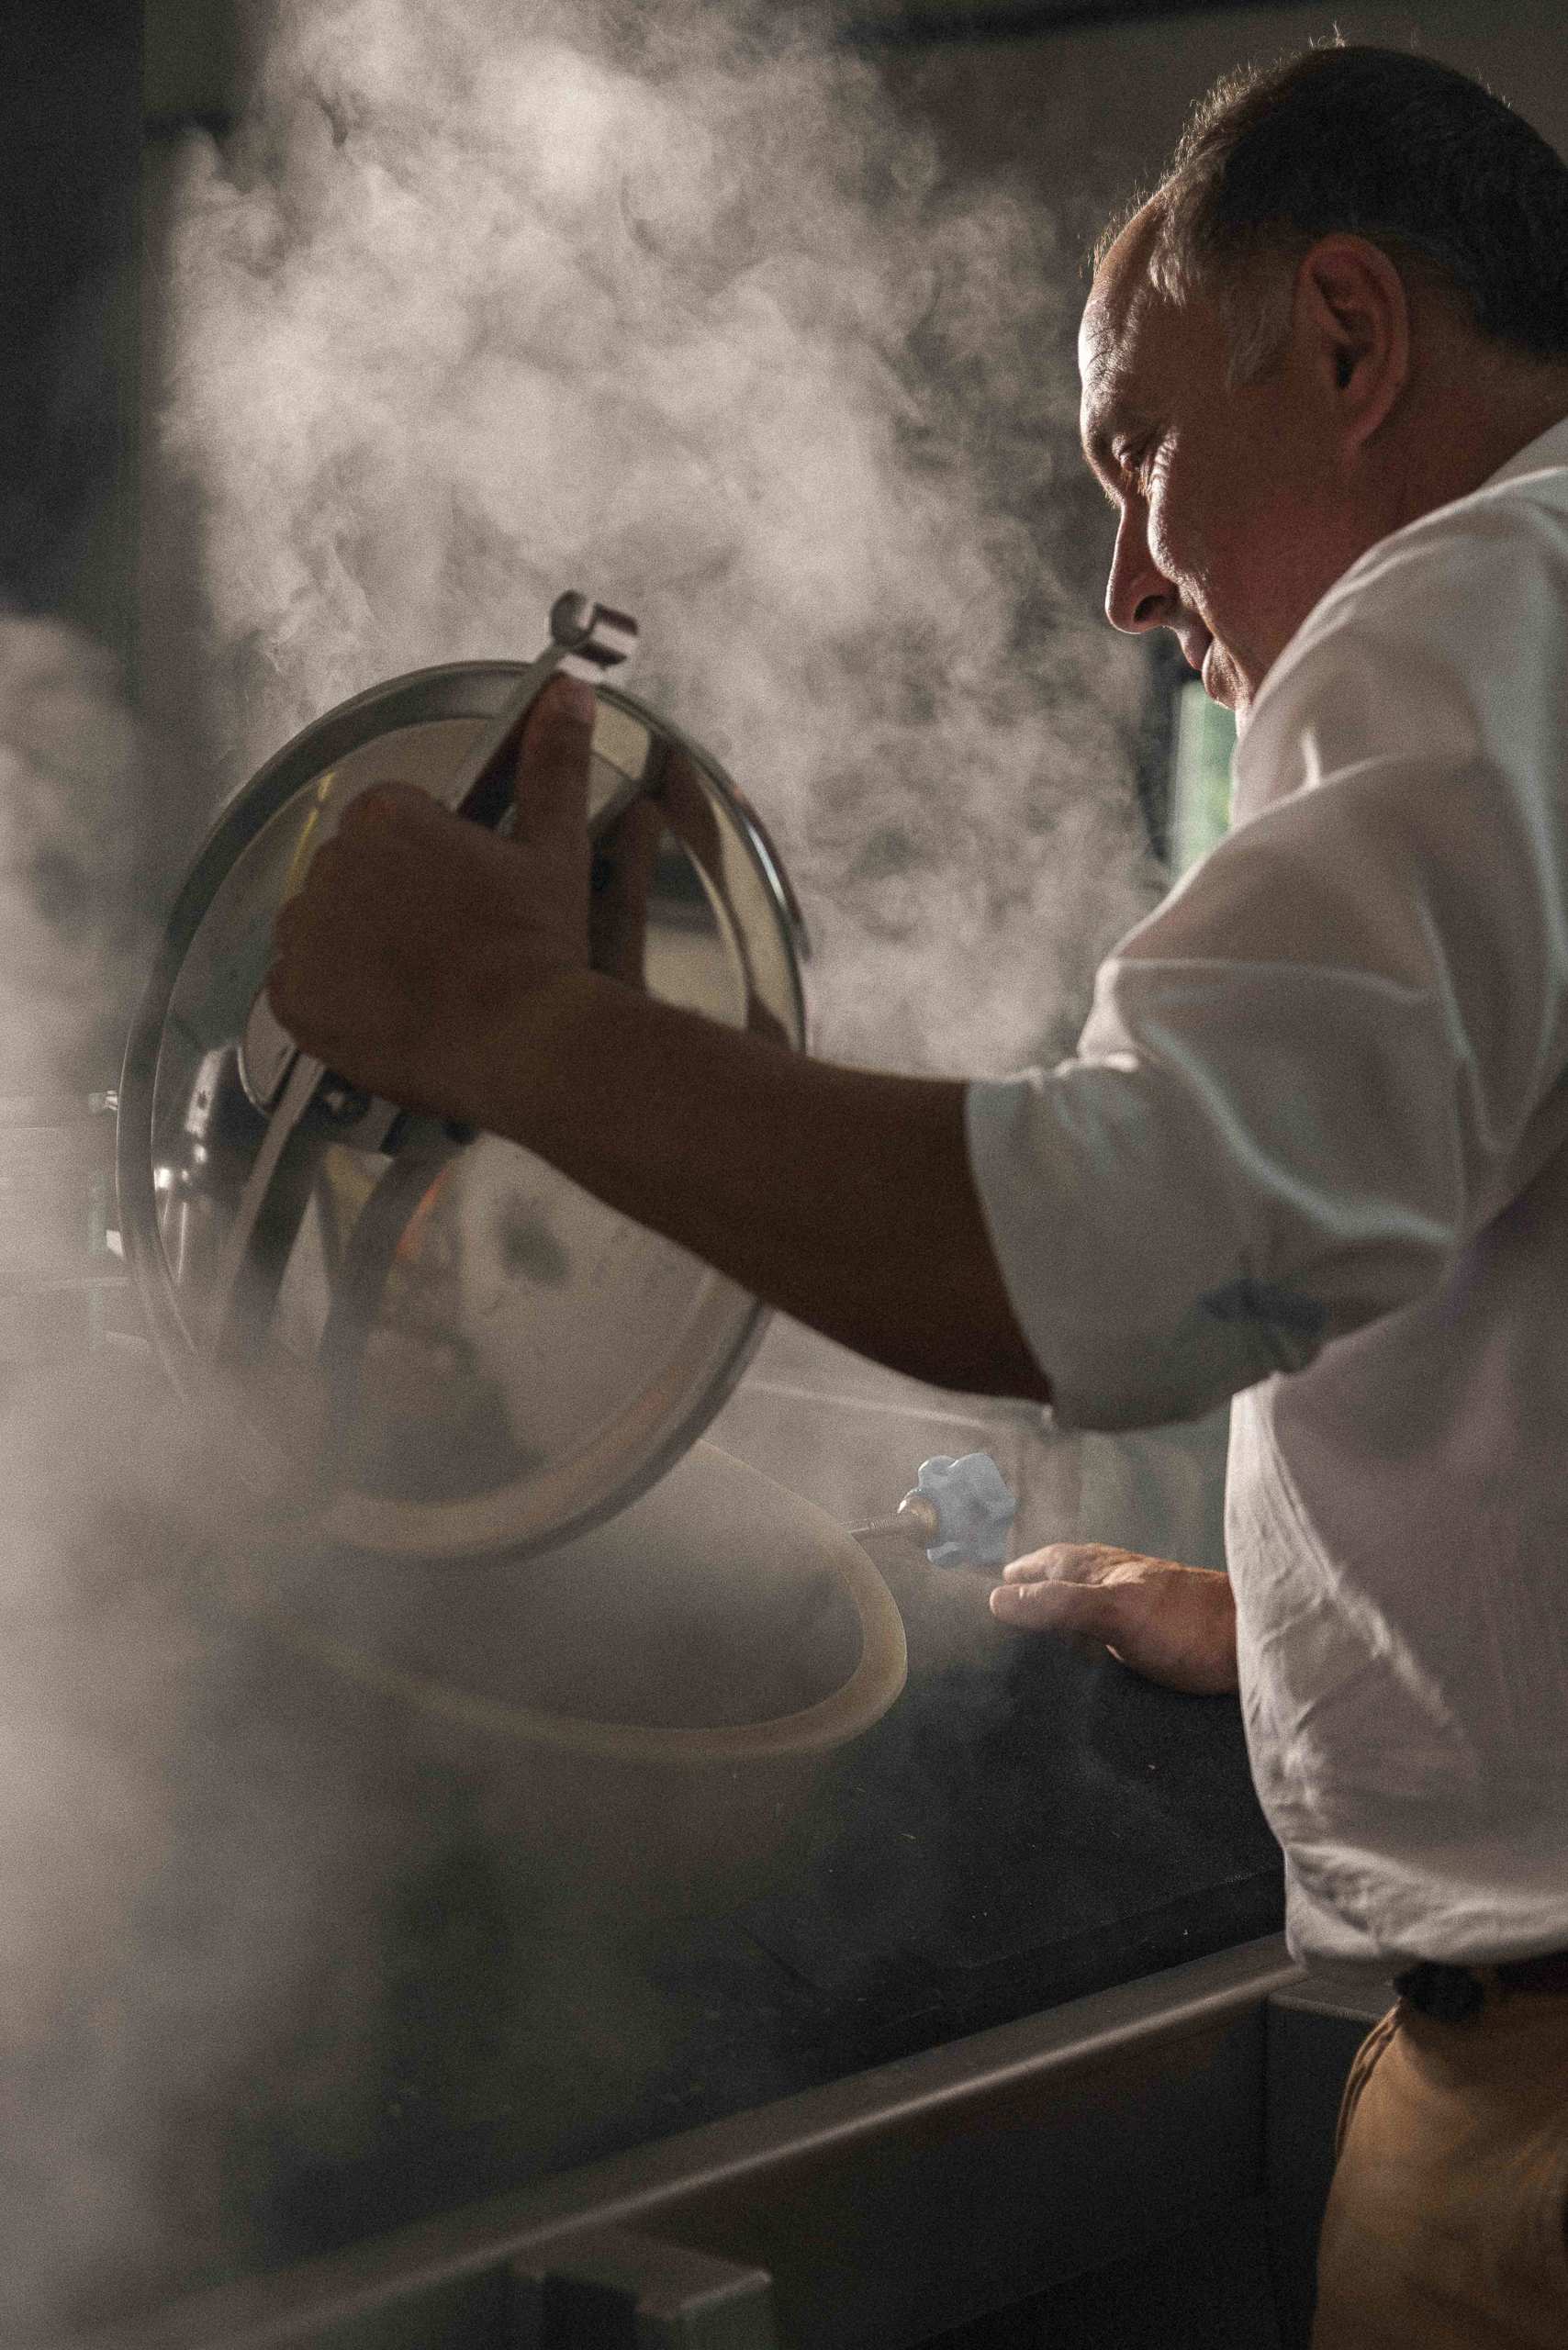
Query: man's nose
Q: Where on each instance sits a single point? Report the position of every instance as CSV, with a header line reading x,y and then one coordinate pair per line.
x,y
1138,596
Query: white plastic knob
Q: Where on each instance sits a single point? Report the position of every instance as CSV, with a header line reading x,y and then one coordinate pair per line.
x,y
974,1509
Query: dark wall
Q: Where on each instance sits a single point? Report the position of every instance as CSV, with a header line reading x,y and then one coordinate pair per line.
x,y
70,158
1087,113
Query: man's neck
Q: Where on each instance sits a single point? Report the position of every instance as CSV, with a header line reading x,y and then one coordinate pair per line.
x,y
1458,437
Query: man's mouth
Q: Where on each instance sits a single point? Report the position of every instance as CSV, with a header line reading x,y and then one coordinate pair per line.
x,y
1196,645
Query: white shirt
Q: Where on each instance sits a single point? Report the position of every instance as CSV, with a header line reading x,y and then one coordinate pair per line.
x,y
1312,1145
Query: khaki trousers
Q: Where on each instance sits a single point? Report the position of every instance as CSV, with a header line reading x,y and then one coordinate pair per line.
x,y
1447,2225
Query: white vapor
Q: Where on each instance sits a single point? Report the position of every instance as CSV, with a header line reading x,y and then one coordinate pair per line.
x,y
70,768
485,301
130,2002
487,298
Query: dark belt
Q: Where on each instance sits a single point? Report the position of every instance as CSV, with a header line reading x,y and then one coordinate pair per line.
x,y
1452,1993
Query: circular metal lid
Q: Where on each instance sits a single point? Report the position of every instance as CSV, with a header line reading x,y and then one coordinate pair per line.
x,y
453,1348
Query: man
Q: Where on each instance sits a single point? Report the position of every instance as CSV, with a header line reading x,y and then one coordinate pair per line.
x,y
1313,1150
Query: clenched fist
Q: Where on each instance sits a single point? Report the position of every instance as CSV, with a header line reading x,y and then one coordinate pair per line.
x,y
413,948
1174,1625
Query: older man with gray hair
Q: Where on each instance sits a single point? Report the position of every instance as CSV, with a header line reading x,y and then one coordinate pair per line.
x,y
1312,1151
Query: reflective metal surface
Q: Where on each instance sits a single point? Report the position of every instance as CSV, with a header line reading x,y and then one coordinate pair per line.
x,y
458,1345
884,2209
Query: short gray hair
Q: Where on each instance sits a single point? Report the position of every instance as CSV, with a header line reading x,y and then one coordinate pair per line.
x,y
1420,159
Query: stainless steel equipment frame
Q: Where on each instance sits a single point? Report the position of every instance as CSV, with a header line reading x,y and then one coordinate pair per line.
x,y
879,2211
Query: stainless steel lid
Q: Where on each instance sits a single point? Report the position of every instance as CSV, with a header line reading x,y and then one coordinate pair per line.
x,y
452,1347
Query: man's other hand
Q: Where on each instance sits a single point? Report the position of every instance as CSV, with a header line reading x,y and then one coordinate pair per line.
x,y
1174,1625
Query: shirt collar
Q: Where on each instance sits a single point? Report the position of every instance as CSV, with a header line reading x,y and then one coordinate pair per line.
x,y
1548,450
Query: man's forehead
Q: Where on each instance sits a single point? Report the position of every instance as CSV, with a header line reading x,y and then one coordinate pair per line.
x,y
1119,300
1130,338
1101,335
1113,356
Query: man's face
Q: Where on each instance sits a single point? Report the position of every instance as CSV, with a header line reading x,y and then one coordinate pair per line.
x,y
1231,502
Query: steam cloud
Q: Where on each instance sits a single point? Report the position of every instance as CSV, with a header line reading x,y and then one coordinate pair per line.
x,y
70,786
132,2001
488,300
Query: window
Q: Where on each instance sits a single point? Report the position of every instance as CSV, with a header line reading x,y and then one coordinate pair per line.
x,y
1202,741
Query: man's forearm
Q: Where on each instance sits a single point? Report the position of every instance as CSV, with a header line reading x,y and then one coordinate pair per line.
x,y
842,1196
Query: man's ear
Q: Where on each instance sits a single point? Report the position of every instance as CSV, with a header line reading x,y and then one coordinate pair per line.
x,y
1354,310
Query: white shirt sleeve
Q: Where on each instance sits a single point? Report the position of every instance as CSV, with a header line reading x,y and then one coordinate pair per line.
x,y
1324,1062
